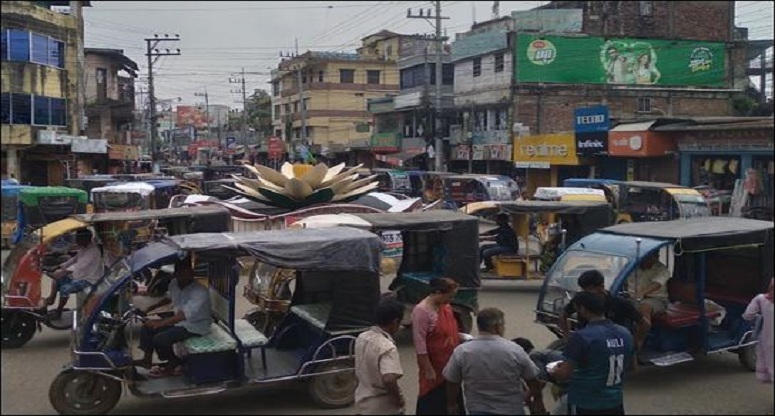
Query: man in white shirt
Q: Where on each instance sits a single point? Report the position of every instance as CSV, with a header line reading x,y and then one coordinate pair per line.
x,y
80,272
377,364
650,292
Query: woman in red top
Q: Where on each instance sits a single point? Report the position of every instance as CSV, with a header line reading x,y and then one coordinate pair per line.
x,y
435,334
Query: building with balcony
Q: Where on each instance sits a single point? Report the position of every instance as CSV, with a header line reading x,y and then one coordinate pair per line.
x,y
41,82
334,89
110,102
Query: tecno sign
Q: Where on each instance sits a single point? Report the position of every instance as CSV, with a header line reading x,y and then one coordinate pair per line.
x,y
544,150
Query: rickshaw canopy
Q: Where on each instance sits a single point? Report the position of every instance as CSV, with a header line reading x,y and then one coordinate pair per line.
x,y
78,221
30,196
703,233
340,249
556,207
141,188
549,193
12,189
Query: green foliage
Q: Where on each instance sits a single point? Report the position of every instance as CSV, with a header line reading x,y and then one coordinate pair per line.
x,y
743,105
259,114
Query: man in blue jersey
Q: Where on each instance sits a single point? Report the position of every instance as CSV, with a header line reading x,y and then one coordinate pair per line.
x,y
596,356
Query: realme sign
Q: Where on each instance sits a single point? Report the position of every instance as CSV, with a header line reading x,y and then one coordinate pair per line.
x,y
555,149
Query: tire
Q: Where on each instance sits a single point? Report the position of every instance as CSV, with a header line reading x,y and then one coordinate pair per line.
x,y
333,391
747,355
67,396
18,328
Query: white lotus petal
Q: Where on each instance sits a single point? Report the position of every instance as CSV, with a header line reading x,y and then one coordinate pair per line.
x,y
297,189
287,170
333,172
247,190
355,192
357,184
315,175
338,186
271,175
340,176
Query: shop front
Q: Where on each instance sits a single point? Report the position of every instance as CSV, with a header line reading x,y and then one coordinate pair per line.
x,y
91,155
646,155
735,161
485,158
547,160
123,159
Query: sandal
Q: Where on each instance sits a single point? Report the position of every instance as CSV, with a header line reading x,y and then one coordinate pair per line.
x,y
160,371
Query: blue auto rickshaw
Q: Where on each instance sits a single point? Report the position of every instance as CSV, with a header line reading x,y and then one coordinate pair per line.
x,y
10,210
717,266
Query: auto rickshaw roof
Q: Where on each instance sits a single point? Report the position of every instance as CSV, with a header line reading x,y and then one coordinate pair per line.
x,y
162,183
12,189
576,182
701,233
29,196
337,249
164,213
644,184
557,207
141,188
416,221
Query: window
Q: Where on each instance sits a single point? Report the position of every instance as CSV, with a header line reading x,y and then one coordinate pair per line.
x,y
41,110
389,51
276,88
18,45
498,62
372,77
477,67
645,8
39,49
287,109
346,76
644,105
5,109
58,112
102,83
4,44
413,77
56,53
21,106
320,76
277,112
447,74
296,107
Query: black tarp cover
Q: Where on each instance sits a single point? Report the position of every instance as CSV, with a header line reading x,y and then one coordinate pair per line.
x,y
565,207
327,249
704,233
460,238
152,214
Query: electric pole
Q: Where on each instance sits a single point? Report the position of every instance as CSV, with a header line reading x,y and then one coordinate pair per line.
x,y
243,90
207,112
302,108
439,39
153,55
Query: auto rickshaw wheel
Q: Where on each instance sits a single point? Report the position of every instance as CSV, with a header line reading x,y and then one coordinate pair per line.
x,y
83,393
333,391
18,328
747,355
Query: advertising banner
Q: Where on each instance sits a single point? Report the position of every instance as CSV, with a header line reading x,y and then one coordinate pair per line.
x,y
191,116
549,20
595,60
546,149
591,129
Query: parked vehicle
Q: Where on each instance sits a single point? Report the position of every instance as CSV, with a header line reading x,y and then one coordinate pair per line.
x,y
10,211
655,201
41,205
123,196
216,188
464,189
118,234
335,295
569,194
393,181
556,224
717,265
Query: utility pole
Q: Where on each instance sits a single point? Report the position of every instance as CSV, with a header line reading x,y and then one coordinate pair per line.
x,y
439,39
207,112
153,55
298,66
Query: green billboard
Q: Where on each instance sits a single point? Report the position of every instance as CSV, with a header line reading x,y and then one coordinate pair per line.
x,y
594,60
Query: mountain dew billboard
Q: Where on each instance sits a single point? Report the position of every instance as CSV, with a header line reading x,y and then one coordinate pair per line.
x,y
594,60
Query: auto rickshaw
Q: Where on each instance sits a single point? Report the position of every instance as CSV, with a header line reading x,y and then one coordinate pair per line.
x,y
89,182
163,191
41,205
464,189
216,188
335,296
717,266
117,233
433,186
558,224
10,211
569,194
123,196
393,181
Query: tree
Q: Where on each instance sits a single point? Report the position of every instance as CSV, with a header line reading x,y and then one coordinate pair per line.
x,y
259,114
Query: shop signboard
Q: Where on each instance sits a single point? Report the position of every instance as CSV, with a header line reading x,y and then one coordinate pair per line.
x,y
549,20
623,61
84,145
726,141
554,149
386,142
482,152
123,152
275,148
591,129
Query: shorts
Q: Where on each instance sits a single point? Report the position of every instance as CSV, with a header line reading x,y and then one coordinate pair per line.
x,y
658,305
68,286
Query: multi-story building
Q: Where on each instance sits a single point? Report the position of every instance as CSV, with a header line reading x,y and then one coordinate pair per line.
x,y
42,96
640,60
481,141
334,90
110,102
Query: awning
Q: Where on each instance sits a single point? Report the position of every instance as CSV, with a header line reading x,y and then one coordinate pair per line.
x,y
638,140
642,126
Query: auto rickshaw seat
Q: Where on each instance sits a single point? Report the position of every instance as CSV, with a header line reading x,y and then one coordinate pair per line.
x,y
683,310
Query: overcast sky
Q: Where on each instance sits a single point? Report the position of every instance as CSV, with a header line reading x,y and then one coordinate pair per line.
x,y
217,39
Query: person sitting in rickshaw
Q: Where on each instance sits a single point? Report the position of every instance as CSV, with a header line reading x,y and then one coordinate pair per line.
x,y
80,272
505,241
191,318
650,293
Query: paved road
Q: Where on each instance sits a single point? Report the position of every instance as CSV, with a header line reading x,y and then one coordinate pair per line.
x,y
712,385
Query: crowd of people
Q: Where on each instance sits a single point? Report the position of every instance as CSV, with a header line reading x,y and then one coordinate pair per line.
x,y
490,375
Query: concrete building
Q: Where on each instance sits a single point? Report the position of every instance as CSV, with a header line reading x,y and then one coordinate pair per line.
x,y
42,90
110,102
335,87
641,60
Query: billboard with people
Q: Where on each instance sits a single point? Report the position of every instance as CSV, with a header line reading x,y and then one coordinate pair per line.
x,y
596,60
